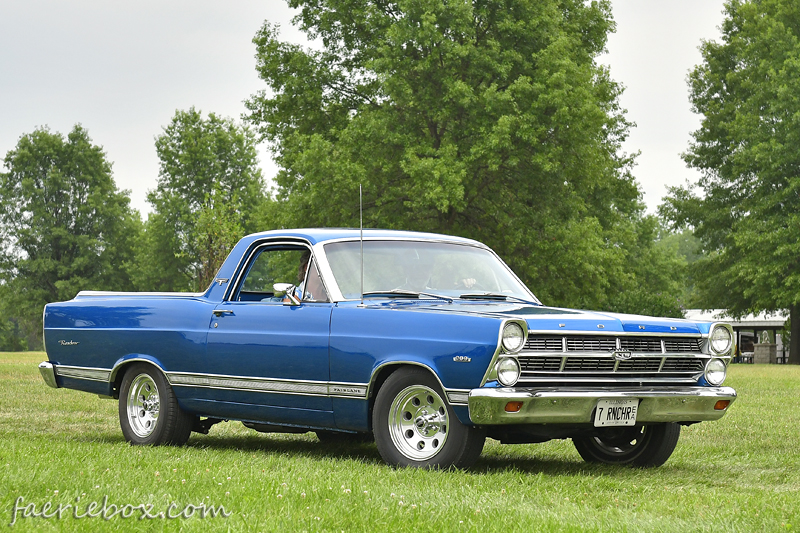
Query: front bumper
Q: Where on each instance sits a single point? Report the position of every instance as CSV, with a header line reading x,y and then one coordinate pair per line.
x,y
546,405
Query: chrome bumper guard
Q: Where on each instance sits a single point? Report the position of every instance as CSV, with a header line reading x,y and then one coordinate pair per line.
x,y
48,373
545,405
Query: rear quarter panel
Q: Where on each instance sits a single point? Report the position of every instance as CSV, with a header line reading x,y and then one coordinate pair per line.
x,y
102,333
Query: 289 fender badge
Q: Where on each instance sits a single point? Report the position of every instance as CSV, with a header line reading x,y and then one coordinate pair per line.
x,y
68,343
622,356
462,359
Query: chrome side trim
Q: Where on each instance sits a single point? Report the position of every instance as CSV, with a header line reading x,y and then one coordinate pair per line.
x,y
120,364
554,405
332,389
82,372
47,371
255,384
246,383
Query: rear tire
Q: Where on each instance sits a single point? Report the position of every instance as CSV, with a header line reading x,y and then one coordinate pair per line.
x,y
646,446
414,426
149,413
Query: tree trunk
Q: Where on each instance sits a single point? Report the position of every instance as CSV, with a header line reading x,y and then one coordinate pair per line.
x,y
794,332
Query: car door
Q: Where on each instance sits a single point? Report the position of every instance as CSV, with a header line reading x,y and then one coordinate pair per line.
x,y
267,353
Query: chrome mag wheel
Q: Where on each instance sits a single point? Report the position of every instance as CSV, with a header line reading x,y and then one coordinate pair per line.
x,y
143,405
415,427
418,422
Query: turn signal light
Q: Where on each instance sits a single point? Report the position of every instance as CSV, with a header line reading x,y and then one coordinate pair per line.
x,y
513,407
719,406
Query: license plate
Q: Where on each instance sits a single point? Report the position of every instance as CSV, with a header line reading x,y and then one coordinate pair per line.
x,y
616,412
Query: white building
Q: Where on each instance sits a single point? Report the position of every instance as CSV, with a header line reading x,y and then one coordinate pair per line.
x,y
763,328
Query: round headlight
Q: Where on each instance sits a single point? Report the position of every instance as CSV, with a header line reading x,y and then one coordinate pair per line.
x,y
507,371
720,340
513,337
715,372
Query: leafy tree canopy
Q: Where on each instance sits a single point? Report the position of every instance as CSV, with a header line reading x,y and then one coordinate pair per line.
x,y
64,224
208,195
746,207
487,119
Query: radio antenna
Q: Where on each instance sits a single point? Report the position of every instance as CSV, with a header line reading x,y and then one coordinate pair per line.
x,y
361,225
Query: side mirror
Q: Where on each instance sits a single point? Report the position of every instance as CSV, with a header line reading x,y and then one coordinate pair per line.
x,y
286,291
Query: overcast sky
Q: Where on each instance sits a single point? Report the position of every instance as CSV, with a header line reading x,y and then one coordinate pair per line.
x,y
122,69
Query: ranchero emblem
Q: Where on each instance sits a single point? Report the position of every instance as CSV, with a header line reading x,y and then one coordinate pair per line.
x,y
622,356
68,343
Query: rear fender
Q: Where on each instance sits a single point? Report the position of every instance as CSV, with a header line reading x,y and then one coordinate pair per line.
x,y
118,370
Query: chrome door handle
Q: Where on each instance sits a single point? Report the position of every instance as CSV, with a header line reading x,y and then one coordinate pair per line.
x,y
220,312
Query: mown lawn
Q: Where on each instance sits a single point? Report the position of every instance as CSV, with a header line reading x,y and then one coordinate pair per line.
x,y
738,474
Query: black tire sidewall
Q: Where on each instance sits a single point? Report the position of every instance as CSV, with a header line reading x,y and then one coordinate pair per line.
x,y
659,441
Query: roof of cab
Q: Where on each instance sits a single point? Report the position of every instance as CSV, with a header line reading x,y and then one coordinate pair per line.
x,y
317,235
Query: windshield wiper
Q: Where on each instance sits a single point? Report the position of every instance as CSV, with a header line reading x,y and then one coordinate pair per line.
x,y
495,296
408,294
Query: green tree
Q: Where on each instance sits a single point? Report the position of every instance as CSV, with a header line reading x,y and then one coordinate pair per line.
x,y
12,336
217,232
688,249
487,119
65,225
747,213
655,281
208,176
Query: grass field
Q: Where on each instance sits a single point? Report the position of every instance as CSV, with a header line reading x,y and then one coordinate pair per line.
x,y
739,474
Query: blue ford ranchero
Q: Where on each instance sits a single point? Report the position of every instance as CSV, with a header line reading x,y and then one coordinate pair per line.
x,y
426,343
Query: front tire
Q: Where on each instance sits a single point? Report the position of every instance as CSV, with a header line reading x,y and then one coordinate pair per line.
x,y
148,410
414,426
645,446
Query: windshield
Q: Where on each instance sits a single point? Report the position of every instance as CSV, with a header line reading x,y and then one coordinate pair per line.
x,y
421,267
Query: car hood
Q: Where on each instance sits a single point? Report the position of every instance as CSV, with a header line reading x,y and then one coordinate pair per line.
x,y
547,319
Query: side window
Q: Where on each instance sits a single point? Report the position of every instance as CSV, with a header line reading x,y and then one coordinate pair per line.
x,y
314,290
270,266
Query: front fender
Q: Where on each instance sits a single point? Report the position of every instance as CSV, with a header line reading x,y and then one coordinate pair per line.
x,y
457,348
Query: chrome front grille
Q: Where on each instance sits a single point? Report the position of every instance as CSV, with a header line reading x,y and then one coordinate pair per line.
x,y
540,364
683,345
608,343
683,364
641,344
591,343
585,359
589,364
641,364
541,343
